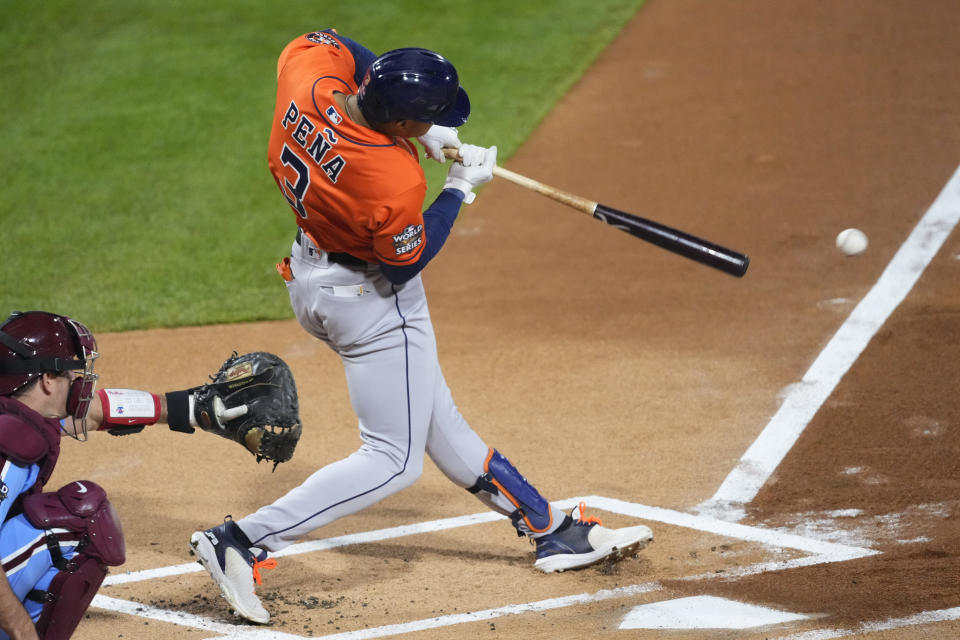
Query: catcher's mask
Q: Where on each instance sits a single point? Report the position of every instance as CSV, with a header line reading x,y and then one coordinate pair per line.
x,y
36,342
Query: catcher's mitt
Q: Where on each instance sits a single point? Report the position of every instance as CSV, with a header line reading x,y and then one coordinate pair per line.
x,y
270,426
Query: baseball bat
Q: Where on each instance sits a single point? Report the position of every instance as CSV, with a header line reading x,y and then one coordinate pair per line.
x,y
679,242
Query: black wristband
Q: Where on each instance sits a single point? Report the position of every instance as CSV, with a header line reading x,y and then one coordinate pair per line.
x,y
125,431
178,411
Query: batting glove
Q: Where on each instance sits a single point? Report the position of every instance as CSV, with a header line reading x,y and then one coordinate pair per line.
x,y
436,138
474,167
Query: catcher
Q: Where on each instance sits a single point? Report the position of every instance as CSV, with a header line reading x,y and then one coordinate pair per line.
x,y
56,546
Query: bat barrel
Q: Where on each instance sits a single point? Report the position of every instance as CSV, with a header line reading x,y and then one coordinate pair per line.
x,y
679,242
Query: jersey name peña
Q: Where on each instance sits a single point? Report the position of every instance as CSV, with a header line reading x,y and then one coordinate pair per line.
x,y
319,145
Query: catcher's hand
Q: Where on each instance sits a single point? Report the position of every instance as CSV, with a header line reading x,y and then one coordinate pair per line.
x,y
252,400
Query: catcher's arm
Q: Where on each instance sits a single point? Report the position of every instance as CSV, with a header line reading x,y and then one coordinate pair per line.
x,y
251,400
121,411
125,411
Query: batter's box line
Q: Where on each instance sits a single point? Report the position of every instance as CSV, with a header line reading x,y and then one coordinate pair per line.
x,y
246,632
820,552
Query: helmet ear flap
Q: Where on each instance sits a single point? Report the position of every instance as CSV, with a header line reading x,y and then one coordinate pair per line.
x,y
19,351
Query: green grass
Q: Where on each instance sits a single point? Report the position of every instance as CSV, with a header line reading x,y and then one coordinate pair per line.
x,y
133,137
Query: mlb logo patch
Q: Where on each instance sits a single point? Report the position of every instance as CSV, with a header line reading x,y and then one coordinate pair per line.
x,y
333,115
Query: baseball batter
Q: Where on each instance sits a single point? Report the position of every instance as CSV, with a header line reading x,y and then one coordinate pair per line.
x,y
341,155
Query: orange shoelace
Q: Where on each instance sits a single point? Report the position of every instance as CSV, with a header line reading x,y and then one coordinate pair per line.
x,y
582,507
269,563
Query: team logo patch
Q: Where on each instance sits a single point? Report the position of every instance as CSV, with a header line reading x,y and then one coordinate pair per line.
x,y
4,491
408,239
333,115
322,38
239,371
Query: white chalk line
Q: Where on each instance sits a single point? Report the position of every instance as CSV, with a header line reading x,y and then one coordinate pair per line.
x,y
318,545
927,617
805,399
821,552
477,616
160,615
768,537
247,632
532,607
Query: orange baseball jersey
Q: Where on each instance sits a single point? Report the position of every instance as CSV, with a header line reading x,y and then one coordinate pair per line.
x,y
354,190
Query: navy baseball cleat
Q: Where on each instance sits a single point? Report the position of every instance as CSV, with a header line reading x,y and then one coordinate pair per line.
x,y
580,542
224,551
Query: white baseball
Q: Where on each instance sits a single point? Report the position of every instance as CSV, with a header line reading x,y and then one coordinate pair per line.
x,y
852,241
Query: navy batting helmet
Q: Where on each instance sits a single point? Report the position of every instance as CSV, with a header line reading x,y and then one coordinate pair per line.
x,y
36,342
413,84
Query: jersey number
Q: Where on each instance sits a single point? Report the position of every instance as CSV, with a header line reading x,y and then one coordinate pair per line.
x,y
295,192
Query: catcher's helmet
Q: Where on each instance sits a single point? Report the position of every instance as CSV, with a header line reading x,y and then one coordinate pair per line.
x,y
36,342
413,84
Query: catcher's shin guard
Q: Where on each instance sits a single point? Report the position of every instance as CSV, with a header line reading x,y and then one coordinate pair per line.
x,y
68,596
82,509
533,514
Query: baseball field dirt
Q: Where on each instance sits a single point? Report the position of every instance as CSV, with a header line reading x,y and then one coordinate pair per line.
x,y
611,370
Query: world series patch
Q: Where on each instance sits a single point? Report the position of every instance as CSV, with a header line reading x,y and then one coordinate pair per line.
x,y
320,37
408,239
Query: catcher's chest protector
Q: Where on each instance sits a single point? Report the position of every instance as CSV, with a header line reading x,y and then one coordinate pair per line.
x,y
26,437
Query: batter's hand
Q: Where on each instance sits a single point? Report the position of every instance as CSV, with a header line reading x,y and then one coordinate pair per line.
x,y
436,138
474,167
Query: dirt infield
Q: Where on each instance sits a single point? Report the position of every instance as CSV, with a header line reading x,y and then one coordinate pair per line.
x,y
610,369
